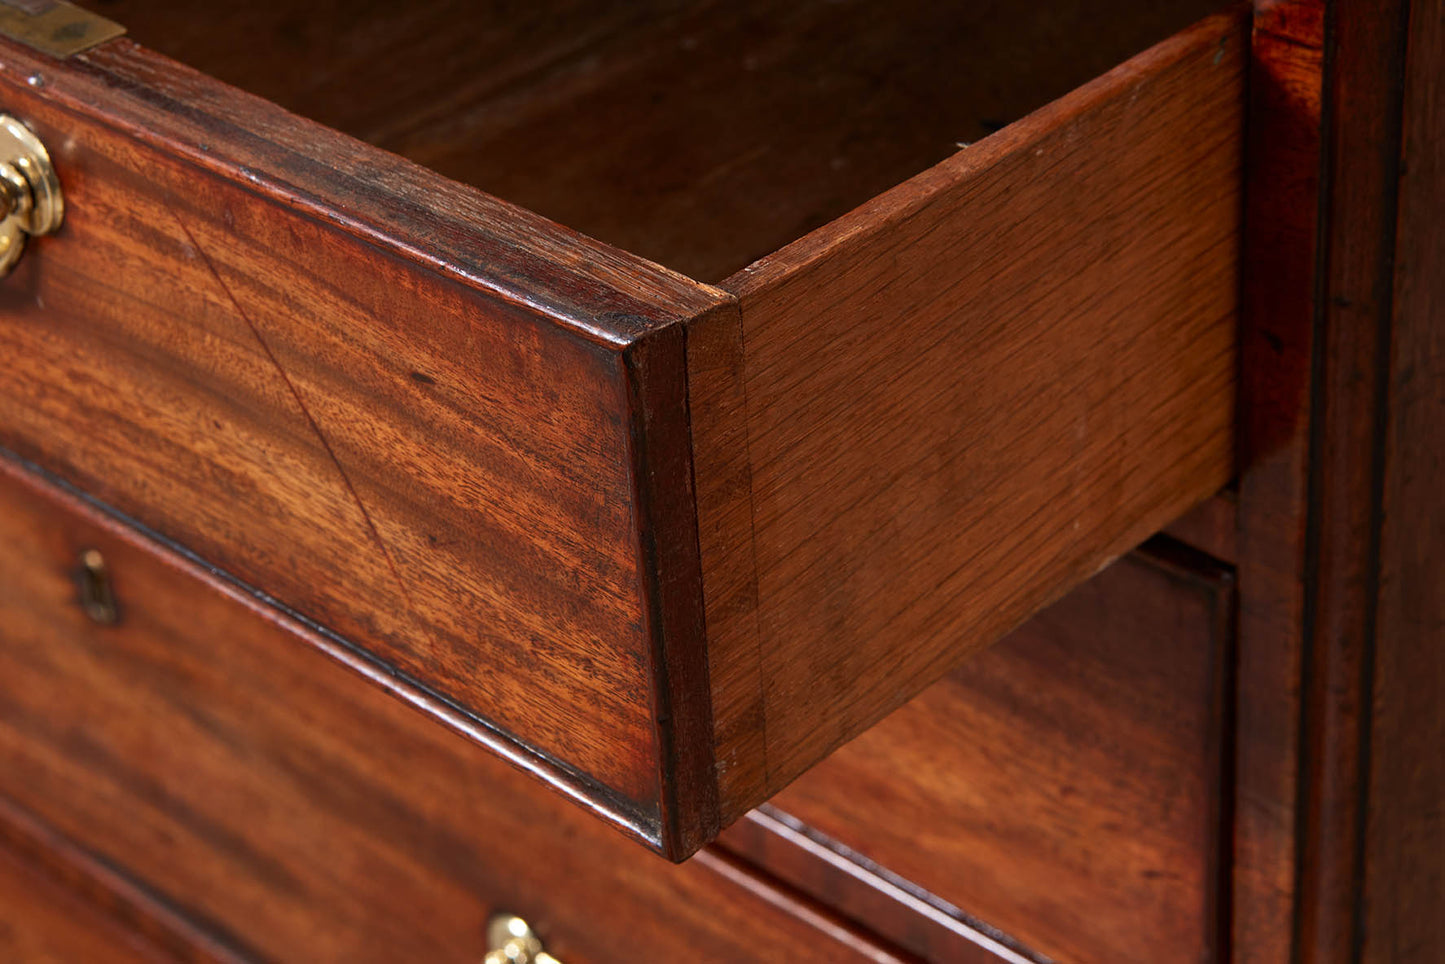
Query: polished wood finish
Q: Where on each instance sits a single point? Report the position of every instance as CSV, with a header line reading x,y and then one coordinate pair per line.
x,y
1276,342
904,913
1066,785
435,424
299,356
1364,47
1327,358
702,135
1330,359
993,380
109,891
42,923
564,498
267,789
1403,836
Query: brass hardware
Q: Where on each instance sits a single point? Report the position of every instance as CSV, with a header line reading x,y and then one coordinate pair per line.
x,y
30,200
55,28
511,940
97,596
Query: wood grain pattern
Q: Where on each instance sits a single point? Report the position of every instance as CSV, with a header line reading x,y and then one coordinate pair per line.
x,y
41,923
1404,876
994,379
1063,786
717,405
1276,342
1360,126
269,790
1317,387
855,887
131,908
440,426
700,134
460,436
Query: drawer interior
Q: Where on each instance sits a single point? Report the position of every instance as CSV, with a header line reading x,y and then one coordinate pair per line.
x,y
1064,786
701,135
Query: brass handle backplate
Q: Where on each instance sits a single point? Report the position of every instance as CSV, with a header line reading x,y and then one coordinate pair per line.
x,y
30,200
510,940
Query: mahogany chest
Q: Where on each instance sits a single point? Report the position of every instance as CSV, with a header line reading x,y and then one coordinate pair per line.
x,y
722,481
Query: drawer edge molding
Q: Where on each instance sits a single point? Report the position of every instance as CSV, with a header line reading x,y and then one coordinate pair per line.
x,y
60,496
591,288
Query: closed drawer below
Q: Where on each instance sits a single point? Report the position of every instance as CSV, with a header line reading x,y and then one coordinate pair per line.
x,y
295,810
43,923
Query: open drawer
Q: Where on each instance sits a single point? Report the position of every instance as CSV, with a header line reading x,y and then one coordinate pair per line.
x,y
664,542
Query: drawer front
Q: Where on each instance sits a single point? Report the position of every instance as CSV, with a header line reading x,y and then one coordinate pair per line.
x,y
1064,787
298,810
382,398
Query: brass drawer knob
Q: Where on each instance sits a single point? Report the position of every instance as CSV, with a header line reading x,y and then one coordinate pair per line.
x,y
30,200
511,940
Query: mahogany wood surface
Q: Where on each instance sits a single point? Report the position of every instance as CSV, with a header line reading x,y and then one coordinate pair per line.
x,y
257,783
969,395
466,439
1364,46
1404,833
1065,786
862,891
1211,527
1276,342
440,426
358,385
1335,414
703,135
108,890
42,923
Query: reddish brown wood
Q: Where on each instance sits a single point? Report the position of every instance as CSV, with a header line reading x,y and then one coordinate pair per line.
x,y
717,404
1317,357
968,395
461,437
703,135
1211,527
265,788
1276,340
908,916
131,908
41,923
1064,786
1361,126
440,426
1404,837
855,943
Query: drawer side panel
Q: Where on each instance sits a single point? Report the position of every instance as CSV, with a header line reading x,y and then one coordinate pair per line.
x,y
970,394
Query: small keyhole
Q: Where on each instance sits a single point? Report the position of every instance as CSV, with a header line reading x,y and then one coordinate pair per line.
x,y
97,596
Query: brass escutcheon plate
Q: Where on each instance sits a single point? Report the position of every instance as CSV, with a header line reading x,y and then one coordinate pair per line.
x,y
55,28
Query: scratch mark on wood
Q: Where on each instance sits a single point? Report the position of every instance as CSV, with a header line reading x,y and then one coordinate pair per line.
x,y
305,412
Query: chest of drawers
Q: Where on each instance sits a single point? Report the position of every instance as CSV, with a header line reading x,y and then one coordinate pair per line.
x,y
883,331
